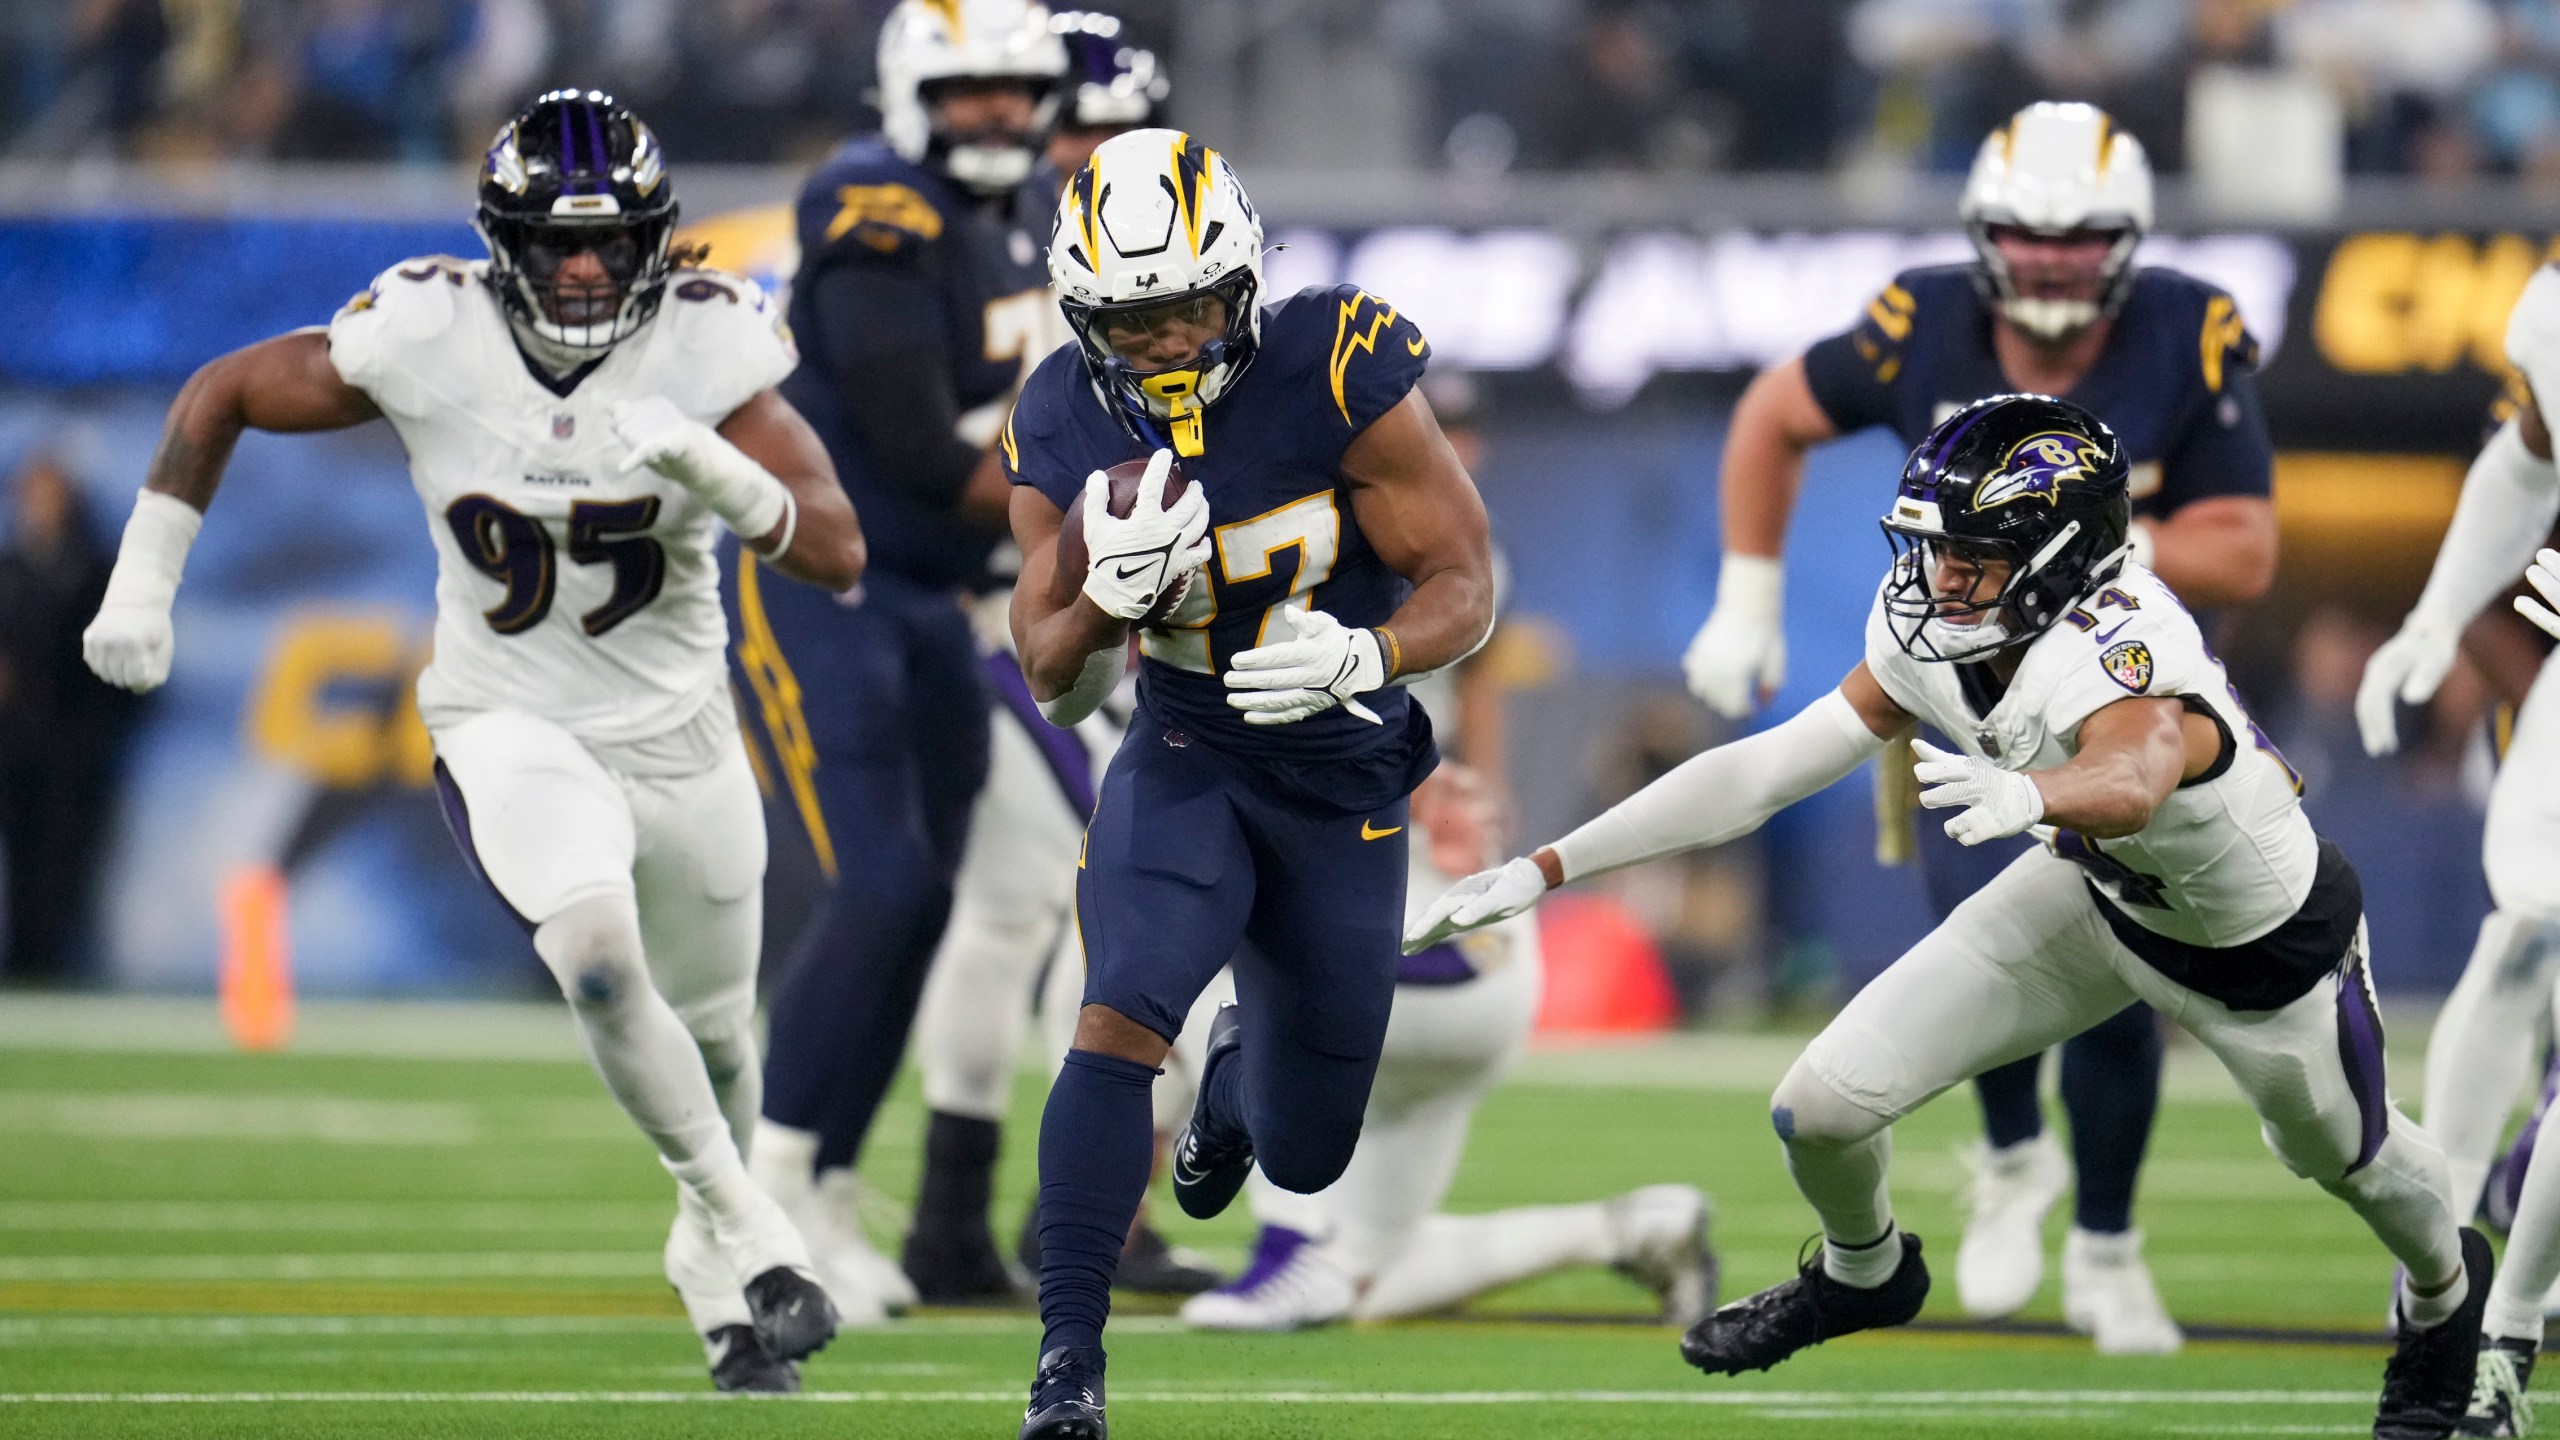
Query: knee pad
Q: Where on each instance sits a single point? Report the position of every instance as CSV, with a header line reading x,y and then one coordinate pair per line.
x,y
1805,1110
726,1035
1305,1164
593,951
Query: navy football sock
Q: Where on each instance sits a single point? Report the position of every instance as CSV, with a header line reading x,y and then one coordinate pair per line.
x,y
2011,1113
2110,1089
1097,1141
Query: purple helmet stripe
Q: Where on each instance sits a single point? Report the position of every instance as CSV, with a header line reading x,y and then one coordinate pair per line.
x,y
1975,419
595,134
567,140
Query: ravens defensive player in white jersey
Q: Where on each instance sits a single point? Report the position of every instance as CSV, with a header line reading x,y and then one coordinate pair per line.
x,y
583,414
2483,1048
2055,205
2178,868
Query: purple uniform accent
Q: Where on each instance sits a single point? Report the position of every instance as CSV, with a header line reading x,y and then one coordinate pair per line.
x,y
457,818
2360,1047
1069,764
1941,457
1442,964
1273,1249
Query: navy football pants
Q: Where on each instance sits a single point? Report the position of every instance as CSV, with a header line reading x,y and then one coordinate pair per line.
x,y
875,715
1195,859
2110,1072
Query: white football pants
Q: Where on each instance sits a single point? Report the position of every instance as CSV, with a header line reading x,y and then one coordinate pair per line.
x,y
639,870
2028,962
2484,1052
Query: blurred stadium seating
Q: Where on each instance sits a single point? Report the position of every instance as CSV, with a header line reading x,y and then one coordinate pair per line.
x,y
1611,234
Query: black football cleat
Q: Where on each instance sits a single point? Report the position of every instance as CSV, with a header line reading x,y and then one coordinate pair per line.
x,y
740,1365
1066,1397
952,1267
2500,1405
794,1318
1210,1163
1758,1331
2426,1387
1150,1266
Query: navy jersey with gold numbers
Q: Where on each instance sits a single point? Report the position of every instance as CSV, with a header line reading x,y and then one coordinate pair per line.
x,y
2176,379
940,272
1330,362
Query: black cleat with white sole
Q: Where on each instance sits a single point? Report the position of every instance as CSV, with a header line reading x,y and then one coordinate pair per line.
x,y
740,1365
2426,1387
1066,1397
794,1318
1209,1163
1758,1331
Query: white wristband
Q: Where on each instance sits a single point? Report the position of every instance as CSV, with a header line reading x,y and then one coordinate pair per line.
x,y
154,551
1753,586
790,525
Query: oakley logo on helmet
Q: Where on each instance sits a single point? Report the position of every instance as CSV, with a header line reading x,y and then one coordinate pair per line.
x,y
2037,467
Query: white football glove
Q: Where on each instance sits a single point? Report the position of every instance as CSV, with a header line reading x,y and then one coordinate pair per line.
x,y
2544,575
728,481
1481,899
1136,560
2405,671
1740,654
1996,802
1319,664
130,643
130,646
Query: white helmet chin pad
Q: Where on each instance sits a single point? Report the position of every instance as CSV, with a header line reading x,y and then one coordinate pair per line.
x,y
989,167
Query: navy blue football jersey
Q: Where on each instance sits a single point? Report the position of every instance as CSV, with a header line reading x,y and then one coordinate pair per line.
x,y
1331,361
979,295
2177,378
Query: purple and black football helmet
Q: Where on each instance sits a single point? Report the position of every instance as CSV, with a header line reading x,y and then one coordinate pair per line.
x,y
2028,482
1112,85
577,172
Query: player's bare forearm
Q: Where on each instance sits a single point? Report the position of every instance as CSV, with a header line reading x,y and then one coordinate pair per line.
x,y
2132,755
1774,424
1422,514
2218,551
284,384
987,500
827,549
1055,626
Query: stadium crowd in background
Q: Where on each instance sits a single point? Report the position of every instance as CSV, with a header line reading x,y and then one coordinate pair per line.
x,y
2430,87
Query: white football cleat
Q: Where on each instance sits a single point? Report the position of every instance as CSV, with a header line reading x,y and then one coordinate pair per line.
x,y
1290,1285
840,1196
1661,1231
2001,1263
779,1163
2107,1294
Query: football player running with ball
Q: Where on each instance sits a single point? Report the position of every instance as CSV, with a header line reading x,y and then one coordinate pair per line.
x,y
583,414
2177,868
2053,303
1324,542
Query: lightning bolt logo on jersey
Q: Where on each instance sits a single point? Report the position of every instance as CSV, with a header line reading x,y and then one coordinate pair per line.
x,y
1330,362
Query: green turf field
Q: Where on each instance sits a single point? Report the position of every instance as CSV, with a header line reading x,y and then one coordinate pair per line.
x,y
393,1231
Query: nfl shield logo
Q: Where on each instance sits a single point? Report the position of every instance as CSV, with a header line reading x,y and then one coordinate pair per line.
x,y
563,426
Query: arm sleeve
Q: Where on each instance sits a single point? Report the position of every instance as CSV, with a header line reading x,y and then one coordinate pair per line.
x,y
2225,448
2509,501
1852,374
883,328
1728,791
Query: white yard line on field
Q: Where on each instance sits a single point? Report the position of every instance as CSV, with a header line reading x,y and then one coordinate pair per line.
x,y
1931,1400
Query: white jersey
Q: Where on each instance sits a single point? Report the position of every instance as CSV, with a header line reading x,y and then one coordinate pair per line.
x,y
564,587
2227,857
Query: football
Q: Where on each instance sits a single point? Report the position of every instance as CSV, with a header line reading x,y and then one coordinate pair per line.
x,y
1074,557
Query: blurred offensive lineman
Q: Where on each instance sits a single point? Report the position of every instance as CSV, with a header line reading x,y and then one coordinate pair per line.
x,y
1329,543
920,303
2482,1052
2177,868
1372,1245
2057,201
582,415
1013,900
